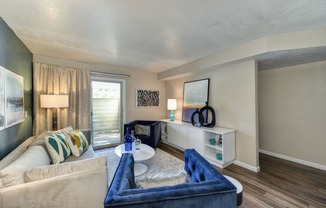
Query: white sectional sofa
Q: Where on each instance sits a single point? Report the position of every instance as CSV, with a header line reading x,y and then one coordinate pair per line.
x,y
27,179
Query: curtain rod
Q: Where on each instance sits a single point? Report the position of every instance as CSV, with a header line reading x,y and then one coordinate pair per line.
x,y
110,74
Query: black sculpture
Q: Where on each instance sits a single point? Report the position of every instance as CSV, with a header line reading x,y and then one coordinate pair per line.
x,y
201,119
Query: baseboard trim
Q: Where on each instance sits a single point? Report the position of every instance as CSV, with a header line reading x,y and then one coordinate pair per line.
x,y
245,165
292,159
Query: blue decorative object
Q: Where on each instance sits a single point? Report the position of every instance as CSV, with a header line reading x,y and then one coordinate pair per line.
x,y
128,141
172,105
219,156
212,141
172,116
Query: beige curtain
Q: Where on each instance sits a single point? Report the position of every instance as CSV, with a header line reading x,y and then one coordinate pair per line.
x,y
53,79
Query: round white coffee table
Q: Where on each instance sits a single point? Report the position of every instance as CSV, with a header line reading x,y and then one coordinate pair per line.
x,y
144,153
239,187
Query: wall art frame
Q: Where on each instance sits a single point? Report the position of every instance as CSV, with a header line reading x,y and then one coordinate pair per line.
x,y
195,96
2,98
14,98
147,98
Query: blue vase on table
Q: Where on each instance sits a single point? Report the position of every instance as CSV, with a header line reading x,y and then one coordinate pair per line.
x,y
128,141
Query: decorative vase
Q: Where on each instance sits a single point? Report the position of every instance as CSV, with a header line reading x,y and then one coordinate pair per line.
x,y
128,141
137,143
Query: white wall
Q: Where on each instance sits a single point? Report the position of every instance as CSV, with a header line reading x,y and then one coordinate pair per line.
x,y
139,79
292,112
233,97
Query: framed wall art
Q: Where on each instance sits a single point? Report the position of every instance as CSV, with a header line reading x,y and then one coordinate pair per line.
x,y
195,96
14,98
147,98
2,98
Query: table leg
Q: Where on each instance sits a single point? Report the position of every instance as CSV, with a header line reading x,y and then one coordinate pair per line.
x,y
140,168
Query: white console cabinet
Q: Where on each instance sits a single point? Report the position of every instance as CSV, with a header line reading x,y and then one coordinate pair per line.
x,y
216,144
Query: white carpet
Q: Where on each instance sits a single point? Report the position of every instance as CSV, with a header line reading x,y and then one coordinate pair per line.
x,y
163,168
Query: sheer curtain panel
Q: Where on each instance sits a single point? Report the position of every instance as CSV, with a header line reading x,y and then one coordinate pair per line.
x,y
54,79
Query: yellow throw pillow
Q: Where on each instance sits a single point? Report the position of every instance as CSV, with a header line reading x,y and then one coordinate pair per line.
x,y
77,142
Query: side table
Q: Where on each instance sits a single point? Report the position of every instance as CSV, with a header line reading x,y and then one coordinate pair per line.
x,y
144,153
239,187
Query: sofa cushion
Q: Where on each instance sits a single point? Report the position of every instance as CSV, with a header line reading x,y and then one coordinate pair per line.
x,y
34,156
57,147
45,172
16,153
77,142
142,130
89,153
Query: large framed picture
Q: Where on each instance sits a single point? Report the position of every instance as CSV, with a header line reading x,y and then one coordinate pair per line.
x,y
2,98
14,98
195,96
147,98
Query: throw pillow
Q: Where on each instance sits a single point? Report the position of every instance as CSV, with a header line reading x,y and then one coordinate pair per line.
x,y
142,130
162,181
77,142
51,171
13,174
57,147
64,130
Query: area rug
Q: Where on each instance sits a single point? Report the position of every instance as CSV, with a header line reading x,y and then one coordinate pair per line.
x,y
163,168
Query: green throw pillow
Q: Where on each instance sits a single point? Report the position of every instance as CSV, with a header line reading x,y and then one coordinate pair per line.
x,y
57,147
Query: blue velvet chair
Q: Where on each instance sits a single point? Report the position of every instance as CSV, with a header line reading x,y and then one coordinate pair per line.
x,y
155,131
206,187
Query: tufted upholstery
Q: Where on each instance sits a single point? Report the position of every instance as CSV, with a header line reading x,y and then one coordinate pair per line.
x,y
206,188
199,169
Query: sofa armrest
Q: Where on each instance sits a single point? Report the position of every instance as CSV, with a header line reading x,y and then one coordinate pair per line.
x,y
206,193
156,132
87,133
82,189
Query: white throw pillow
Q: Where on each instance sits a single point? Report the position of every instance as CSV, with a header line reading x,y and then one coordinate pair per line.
x,y
77,142
142,130
41,173
162,181
34,156
57,147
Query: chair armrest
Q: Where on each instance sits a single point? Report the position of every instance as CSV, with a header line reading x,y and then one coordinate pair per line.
x,y
131,126
156,132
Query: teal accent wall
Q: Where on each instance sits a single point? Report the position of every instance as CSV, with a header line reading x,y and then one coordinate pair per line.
x,y
16,57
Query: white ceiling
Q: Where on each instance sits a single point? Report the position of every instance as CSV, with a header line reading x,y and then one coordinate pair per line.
x,y
153,35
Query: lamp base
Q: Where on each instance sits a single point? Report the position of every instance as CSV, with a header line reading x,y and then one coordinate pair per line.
x,y
172,116
54,119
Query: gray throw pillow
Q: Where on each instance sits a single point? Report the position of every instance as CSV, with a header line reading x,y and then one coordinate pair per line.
x,y
142,130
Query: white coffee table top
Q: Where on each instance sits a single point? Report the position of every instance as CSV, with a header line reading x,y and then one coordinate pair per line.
x,y
146,152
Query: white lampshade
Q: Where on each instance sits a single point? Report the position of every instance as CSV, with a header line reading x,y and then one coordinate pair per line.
x,y
172,104
54,101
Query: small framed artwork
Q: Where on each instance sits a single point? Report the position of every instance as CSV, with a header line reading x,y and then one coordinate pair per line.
x,y
195,96
147,98
14,98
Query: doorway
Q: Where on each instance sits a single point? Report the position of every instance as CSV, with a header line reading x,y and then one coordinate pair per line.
x,y
106,112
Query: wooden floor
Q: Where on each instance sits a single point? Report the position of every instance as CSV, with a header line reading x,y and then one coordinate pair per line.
x,y
280,183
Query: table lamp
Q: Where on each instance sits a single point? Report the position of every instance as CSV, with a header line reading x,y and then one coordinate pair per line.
x,y
172,105
55,102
